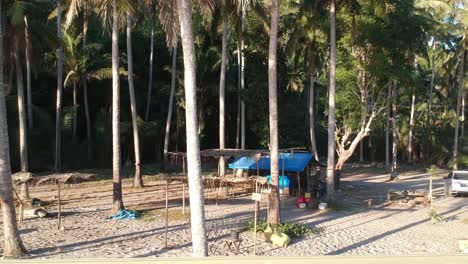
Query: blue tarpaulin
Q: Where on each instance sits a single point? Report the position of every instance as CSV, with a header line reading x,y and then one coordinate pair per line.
x,y
284,181
293,162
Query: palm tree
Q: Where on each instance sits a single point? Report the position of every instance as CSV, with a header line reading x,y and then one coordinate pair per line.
x,y
151,5
21,112
331,107
13,246
58,109
171,101
307,34
117,202
138,181
274,216
27,53
461,83
73,68
169,17
222,87
197,214
394,172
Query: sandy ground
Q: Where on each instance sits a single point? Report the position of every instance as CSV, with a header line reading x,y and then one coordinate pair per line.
x,y
353,228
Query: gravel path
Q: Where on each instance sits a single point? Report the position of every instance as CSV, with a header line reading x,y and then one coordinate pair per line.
x,y
353,229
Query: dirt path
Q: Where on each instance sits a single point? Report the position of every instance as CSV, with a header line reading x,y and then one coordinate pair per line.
x,y
353,228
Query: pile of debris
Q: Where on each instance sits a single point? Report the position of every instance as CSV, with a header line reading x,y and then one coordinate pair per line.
x,y
408,197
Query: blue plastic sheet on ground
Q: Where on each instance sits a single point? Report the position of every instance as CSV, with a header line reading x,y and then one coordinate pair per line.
x,y
284,181
293,162
125,215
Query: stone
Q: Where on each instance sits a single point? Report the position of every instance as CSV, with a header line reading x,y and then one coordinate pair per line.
x,y
280,239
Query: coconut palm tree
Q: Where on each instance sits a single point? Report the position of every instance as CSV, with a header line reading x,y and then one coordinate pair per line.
x,y
138,181
274,216
73,7
58,107
13,246
331,106
151,4
222,86
113,13
197,214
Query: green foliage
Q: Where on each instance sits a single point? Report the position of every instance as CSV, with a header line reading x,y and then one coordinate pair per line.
x,y
290,229
435,217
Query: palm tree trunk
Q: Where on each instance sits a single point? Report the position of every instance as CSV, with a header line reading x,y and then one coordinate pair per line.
x,y
28,72
117,202
222,99
394,172
58,109
431,88
461,83
313,142
387,130
242,79
411,128
85,88
150,82
13,246
197,212
138,181
21,113
171,101
462,121
274,215
238,119
331,107
75,108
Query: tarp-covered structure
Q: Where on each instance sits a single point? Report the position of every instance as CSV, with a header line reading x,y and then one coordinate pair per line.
x,y
292,162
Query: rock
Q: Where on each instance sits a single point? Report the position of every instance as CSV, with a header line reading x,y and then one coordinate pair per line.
x,y
280,239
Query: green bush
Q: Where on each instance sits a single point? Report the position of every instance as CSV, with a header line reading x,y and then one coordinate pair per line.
x,y
290,229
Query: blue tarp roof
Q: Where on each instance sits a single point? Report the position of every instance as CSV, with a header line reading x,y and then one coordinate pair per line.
x,y
295,162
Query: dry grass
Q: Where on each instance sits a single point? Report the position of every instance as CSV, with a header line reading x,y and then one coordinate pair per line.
x,y
160,215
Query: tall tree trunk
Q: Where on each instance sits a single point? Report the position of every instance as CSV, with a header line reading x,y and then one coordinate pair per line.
x,y
238,119
313,142
117,202
411,128
274,216
394,172
138,181
28,72
75,108
13,246
461,83
331,107
242,79
58,109
21,113
197,212
150,81
222,90
462,121
387,129
171,101
23,139
431,88
85,88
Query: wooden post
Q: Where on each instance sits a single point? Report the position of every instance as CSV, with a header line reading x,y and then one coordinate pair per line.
x,y
167,210
255,220
59,215
21,207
